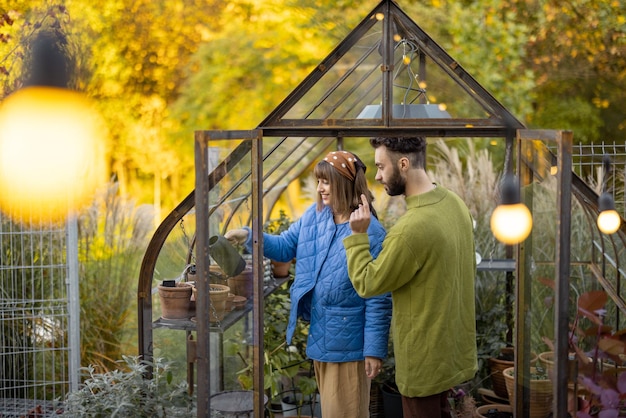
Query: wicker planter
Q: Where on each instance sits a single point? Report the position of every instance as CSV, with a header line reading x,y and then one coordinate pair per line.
x,y
540,393
496,367
547,361
376,401
498,364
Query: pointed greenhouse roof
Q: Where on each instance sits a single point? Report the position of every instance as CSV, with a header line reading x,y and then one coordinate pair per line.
x,y
390,65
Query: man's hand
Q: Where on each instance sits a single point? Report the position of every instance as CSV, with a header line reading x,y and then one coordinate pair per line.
x,y
360,218
236,236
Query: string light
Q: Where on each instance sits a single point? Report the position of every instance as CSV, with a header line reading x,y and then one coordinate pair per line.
x,y
608,220
511,221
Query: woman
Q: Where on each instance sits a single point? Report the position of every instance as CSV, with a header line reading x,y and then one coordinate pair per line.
x,y
348,334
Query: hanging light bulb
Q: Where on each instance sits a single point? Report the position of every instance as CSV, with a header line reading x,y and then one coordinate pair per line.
x,y
51,142
608,220
511,221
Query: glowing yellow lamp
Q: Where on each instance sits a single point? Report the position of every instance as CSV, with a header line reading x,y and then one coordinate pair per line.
x,y
608,220
511,221
51,153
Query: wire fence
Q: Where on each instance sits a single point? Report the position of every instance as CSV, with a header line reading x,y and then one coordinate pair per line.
x,y
34,319
587,162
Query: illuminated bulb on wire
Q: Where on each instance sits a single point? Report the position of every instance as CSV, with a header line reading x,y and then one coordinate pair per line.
x,y
511,221
608,220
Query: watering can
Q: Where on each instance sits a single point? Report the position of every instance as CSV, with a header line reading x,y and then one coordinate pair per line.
x,y
226,256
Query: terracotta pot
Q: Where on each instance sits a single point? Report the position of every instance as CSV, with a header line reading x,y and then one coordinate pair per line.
x,y
218,296
242,284
239,302
280,269
216,274
229,302
175,301
482,411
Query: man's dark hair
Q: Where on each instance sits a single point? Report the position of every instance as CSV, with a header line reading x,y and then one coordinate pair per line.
x,y
412,147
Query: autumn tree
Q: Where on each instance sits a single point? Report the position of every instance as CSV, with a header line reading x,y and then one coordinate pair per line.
x,y
578,53
137,53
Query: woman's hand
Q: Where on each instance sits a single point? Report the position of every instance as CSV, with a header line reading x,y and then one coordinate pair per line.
x,y
237,236
373,366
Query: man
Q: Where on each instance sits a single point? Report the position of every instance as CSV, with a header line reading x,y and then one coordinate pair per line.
x,y
428,264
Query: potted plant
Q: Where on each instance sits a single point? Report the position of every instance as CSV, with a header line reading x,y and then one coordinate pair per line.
x,y
175,299
127,392
494,352
540,390
285,368
501,362
302,400
276,226
606,388
497,365
385,382
462,402
495,411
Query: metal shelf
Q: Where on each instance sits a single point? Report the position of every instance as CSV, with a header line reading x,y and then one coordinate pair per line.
x,y
229,319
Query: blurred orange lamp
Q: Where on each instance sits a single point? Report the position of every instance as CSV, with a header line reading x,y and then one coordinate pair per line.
x,y
51,143
511,221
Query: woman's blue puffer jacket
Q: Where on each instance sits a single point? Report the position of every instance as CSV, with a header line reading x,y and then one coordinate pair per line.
x,y
343,326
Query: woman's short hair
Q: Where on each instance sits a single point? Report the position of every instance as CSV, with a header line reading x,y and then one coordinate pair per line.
x,y
345,194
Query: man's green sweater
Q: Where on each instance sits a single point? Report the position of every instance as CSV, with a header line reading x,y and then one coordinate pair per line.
x,y
428,264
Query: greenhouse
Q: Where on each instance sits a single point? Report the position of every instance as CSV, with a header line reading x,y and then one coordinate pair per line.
x,y
552,296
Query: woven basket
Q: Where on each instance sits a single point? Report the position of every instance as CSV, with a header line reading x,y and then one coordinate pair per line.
x,y
540,393
497,366
546,359
376,401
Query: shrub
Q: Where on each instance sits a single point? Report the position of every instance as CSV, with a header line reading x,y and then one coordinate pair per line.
x,y
125,393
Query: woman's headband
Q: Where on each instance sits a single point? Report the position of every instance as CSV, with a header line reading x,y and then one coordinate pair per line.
x,y
344,162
